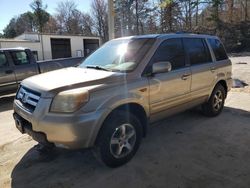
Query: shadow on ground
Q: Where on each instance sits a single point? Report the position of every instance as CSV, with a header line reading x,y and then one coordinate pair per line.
x,y
186,151
6,103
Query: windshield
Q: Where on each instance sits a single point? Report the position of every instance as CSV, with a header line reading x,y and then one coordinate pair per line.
x,y
122,55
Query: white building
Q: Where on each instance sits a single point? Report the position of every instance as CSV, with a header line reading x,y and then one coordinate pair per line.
x,y
53,46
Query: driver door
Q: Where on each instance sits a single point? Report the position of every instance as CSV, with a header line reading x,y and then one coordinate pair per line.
x,y
171,89
24,67
7,76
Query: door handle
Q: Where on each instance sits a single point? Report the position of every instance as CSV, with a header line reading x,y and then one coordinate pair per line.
x,y
185,76
9,71
213,69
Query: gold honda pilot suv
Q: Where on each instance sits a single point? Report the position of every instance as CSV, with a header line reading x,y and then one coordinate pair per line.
x,y
109,100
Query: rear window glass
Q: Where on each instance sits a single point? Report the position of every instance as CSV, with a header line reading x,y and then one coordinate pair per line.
x,y
218,49
20,57
197,51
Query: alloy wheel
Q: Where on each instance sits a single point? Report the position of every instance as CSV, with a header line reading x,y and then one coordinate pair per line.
x,y
218,100
123,140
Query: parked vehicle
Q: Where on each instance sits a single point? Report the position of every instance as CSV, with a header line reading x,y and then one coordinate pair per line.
x,y
111,98
17,64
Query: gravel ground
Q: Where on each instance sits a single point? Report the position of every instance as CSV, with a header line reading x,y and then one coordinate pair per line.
x,y
187,150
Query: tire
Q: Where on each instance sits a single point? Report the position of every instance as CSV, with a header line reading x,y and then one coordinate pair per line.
x,y
215,104
119,138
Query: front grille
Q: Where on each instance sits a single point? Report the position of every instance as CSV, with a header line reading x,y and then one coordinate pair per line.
x,y
28,98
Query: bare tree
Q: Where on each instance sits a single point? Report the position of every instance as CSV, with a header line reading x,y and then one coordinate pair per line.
x,y
51,26
68,17
100,17
87,25
245,7
230,4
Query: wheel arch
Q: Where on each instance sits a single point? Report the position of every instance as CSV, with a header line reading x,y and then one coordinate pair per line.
x,y
224,84
221,82
133,108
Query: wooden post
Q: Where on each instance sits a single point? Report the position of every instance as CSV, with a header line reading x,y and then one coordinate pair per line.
x,y
111,20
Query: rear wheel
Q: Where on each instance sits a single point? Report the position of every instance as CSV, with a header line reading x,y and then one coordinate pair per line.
x,y
215,103
119,139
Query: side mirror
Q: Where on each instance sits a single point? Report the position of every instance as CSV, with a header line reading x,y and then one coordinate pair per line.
x,y
161,67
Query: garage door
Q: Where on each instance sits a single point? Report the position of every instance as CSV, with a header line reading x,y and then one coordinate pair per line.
x,y
90,45
60,48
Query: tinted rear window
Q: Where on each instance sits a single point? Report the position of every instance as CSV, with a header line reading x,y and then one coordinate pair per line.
x,y
197,50
219,51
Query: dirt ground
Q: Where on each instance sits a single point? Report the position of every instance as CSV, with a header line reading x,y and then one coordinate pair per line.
x,y
187,150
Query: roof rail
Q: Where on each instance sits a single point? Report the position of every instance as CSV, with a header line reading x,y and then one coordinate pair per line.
x,y
183,32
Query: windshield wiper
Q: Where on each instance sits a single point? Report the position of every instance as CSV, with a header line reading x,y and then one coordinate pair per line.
x,y
97,67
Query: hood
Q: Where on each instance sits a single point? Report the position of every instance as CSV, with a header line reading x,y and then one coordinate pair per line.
x,y
50,83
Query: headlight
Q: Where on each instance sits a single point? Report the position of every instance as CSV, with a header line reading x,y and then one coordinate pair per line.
x,y
70,100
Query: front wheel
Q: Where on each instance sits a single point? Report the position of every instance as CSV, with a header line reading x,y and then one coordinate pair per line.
x,y
119,139
215,103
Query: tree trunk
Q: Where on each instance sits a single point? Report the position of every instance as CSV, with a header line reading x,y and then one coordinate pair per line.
x,y
162,16
137,17
246,9
190,15
170,22
196,14
142,28
230,11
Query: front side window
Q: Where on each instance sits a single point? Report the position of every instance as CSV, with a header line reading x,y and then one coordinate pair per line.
x,y
3,60
20,57
197,51
122,55
172,51
219,51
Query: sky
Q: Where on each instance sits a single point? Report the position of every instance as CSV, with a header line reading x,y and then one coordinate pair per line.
x,y
11,8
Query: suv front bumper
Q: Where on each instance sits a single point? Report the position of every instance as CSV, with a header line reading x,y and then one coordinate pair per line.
x,y
72,131
25,127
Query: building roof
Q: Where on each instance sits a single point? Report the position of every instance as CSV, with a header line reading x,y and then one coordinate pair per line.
x,y
56,34
13,40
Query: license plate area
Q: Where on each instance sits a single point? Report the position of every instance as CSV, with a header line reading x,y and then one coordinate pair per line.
x,y
19,123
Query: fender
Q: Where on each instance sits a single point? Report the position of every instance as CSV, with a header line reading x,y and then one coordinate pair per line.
x,y
113,103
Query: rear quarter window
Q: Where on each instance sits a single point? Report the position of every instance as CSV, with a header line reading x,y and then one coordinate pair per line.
x,y
218,49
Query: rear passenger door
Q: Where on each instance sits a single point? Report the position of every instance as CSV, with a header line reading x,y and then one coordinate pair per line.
x,y
202,67
169,89
24,67
7,76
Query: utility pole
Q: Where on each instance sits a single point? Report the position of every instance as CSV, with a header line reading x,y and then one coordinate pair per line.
x,y
111,19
